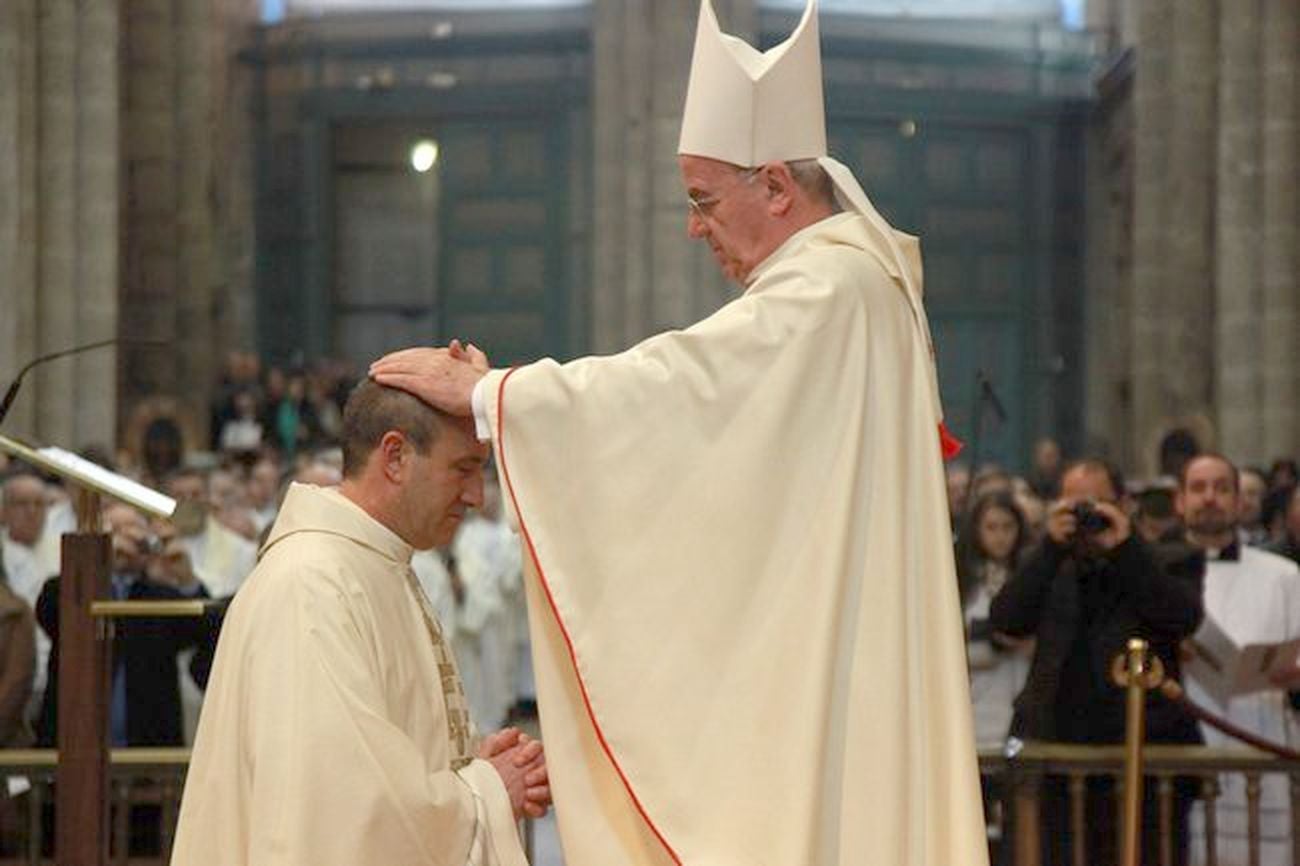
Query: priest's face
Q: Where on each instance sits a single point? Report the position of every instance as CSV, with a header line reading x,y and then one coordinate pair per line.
x,y
1208,496
441,485
727,209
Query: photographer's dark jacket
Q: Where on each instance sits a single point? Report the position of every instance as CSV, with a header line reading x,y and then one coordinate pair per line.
x,y
1083,609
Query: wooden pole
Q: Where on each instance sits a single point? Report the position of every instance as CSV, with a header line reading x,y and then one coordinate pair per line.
x,y
81,781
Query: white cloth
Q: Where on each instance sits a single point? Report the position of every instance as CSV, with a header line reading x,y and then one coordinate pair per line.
x,y
27,568
490,568
221,558
746,631
1255,600
324,739
996,676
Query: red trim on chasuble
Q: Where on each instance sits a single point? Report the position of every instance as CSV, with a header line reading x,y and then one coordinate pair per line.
x,y
568,641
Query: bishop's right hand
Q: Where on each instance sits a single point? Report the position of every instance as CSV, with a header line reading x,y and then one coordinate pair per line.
x,y
443,378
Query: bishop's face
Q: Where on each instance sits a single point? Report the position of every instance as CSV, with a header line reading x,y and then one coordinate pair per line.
x,y
728,210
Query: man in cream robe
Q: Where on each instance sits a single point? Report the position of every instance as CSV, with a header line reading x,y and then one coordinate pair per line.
x,y
335,731
746,632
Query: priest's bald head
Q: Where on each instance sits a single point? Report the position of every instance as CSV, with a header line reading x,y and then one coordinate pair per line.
x,y
413,468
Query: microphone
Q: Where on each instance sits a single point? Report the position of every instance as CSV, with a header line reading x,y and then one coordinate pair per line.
x,y
12,393
986,392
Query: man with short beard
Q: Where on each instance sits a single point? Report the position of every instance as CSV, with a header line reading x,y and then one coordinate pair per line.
x,y
1253,596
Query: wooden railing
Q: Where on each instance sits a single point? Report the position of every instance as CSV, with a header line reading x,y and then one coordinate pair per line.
x,y
1023,775
139,779
154,778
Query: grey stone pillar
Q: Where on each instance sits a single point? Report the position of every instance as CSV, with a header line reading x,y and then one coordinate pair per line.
x,y
1190,163
647,275
56,322
97,277
18,37
1153,105
1237,320
1281,233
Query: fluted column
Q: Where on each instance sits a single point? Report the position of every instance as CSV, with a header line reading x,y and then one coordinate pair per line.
x,y
97,276
1238,385
1153,104
56,321
18,38
1281,233
647,275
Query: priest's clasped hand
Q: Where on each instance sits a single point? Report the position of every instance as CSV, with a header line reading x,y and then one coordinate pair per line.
x,y
519,760
443,378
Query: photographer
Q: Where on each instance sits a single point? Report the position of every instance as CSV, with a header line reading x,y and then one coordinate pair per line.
x,y
1091,586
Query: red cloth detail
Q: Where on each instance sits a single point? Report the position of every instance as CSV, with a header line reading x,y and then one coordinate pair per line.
x,y
949,444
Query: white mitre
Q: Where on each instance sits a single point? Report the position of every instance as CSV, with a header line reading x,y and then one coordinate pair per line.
x,y
749,107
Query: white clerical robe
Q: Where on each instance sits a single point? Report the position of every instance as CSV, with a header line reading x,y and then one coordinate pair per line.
x,y
27,568
1255,599
324,738
746,631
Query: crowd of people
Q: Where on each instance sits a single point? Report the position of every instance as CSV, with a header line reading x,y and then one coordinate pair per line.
x,y
270,428
1057,569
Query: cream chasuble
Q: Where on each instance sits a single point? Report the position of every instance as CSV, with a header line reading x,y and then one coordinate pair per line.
x,y
325,737
747,635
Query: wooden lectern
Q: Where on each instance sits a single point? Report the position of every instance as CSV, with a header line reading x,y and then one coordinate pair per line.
x,y
81,780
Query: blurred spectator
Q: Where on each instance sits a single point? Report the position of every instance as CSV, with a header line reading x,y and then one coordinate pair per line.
x,y
1089,587
1176,448
1253,596
145,706
990,479
1289,544
1273,514
239,381
220,557
17,667
1045,476
1032,508
31,553
262,492
958,477
1282,475
1155,518
241,431
988,552
1251,525
296,427
162,451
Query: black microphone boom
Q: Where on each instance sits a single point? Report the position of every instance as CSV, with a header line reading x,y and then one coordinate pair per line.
x,y
12,393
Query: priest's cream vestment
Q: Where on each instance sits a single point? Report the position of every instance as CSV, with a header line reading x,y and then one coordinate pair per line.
x,y
746,628
325,736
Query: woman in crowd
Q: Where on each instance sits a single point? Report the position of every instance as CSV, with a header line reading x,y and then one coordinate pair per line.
x,y
988,551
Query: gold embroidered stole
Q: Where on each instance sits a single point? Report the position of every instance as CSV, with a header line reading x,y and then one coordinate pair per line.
x,y
459,733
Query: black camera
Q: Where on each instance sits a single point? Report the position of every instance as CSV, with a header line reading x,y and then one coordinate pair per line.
x,y
1089,520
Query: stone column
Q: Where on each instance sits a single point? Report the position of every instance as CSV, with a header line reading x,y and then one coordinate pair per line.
x,y
647,275
18,37
1152,107
1189,214
1237,318
56,322
1278,259
97,276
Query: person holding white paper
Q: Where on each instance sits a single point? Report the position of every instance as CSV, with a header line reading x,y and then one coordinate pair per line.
x,y
1253,596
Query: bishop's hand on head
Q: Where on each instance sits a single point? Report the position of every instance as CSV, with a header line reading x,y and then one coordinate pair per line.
x,y
443,378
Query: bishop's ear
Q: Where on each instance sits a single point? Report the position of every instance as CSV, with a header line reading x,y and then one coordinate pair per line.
x,y
779,186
